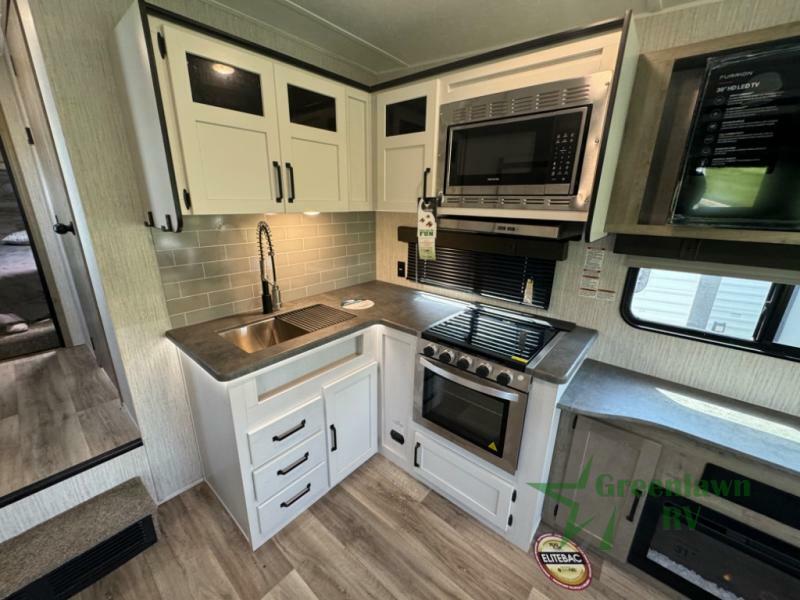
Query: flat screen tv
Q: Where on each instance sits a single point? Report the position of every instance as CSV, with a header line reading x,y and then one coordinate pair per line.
x,y
741,167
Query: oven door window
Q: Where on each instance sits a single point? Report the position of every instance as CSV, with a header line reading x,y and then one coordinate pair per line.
x,y
476,417
522,151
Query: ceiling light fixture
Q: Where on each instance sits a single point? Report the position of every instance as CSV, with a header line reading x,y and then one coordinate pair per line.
x,y
223,69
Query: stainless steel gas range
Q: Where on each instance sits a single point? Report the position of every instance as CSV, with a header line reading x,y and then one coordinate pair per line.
x,y
473,379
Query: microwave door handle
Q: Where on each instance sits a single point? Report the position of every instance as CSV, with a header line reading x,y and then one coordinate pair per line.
x,y
477,386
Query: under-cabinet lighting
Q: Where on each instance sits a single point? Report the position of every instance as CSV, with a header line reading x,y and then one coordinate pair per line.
x,y
223,69
311,213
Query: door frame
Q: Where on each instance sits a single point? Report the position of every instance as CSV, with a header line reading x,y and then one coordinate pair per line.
x,y
33,240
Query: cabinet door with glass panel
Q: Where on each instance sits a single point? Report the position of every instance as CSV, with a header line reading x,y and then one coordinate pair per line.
x,y
313,136
406,145
227,122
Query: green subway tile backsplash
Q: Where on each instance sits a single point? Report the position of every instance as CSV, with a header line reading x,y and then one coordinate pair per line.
x,y
210,270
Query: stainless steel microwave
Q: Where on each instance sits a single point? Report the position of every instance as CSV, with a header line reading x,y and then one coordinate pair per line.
x,y
530,150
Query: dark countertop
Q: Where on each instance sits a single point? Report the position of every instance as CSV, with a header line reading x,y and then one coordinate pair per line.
x,y
396,306
607,392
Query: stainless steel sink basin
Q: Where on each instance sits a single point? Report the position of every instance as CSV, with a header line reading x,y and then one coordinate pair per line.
x,y
262,334
269,332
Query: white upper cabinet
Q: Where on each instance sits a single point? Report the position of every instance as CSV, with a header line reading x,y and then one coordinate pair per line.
x,y
407,118
227,122
359,149
313,133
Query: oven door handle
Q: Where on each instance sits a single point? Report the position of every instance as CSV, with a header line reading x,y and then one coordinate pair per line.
x,y
477,386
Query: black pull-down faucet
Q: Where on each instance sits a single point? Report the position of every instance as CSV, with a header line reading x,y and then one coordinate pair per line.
x,y
269,301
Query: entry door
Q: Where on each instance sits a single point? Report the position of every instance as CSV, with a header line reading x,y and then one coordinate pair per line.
x,y
313,140
79,294
351,408
227,120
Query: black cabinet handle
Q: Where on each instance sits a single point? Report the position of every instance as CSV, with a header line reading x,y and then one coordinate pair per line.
x,y
637,495
416,454
288,503
425,174
294,465
279,179
335,441
285,434
290,172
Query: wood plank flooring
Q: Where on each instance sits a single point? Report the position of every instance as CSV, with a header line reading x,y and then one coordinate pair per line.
x,y
57,410
378,535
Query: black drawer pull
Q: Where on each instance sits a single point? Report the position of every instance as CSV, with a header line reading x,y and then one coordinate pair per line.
x,y
284,435
416,454
637,495
294,465
335,440
288,503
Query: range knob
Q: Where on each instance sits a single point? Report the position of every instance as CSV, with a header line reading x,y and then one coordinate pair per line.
x,y
429,350
504,378
445,357
463,362
483,370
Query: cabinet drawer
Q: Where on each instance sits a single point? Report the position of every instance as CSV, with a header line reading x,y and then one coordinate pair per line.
x,y
288,467
286,505
284,432
474,488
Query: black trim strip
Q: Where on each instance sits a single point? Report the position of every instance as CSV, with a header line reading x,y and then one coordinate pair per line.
x,y
540,42
51,480
763,348
612,97
151,57
168,15
505,245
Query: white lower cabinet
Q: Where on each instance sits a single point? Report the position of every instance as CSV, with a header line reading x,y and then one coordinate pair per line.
x,y
471,486
289,467
351,406
292,500
286,431
398,353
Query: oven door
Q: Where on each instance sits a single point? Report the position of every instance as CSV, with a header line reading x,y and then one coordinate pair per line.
x,y
477,414
531,155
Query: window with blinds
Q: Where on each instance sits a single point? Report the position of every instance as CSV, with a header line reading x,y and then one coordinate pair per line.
x,y
490,275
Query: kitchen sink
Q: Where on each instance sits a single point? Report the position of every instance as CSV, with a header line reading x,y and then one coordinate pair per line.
x,y
272,331
260,335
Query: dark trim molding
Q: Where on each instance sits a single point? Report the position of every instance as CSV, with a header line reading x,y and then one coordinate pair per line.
x,y
493,244
168,15
751,254
40,485
540,42
612,97
756,347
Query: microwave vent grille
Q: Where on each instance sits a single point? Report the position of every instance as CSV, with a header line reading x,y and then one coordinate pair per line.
x,y
576,94
552,99
478,111
534,202
565,202
460,114
498,109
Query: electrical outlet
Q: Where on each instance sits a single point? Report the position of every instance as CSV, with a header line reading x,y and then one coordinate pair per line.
x,y
401,268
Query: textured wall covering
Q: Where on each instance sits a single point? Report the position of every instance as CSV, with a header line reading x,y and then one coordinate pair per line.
x,y
210,270
74,37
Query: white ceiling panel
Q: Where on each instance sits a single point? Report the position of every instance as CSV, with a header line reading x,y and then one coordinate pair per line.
x,y
394,37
